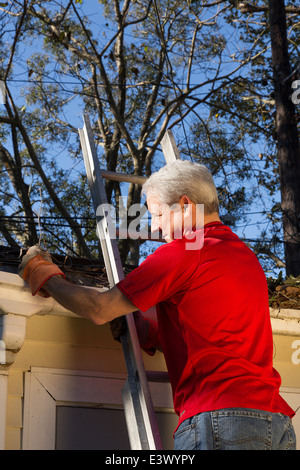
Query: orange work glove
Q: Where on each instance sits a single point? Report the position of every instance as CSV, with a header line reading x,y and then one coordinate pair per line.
x,y
36,268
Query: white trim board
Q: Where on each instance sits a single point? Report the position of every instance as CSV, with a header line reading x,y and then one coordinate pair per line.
x,y
47,388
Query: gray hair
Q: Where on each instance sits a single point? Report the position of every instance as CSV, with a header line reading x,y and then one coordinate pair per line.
x,y
184,178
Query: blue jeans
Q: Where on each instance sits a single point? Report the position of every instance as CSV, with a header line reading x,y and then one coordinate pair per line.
x,y
236,429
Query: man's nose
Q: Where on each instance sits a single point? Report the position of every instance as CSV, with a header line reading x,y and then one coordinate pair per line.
x,y
155,225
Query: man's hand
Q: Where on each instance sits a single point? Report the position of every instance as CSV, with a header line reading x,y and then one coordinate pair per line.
x,y
36,268
118,328
146,330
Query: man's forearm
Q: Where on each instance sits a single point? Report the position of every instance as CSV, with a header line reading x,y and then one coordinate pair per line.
x,y
88,302
83,301
45,277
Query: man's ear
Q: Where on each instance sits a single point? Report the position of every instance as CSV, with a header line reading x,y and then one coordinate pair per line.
x,y
185,201
187,208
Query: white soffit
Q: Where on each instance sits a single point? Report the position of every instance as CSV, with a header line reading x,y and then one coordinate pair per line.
x,y
16,298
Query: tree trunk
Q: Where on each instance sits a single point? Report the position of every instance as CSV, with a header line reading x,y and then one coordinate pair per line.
x,y
287,137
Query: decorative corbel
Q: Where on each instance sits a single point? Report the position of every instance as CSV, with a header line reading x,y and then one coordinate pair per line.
x,y
12,336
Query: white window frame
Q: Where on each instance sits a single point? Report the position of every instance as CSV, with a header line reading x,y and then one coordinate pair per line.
x,y
45,389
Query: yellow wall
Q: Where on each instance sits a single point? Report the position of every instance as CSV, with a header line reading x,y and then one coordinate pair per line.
x,y
285,352
63,343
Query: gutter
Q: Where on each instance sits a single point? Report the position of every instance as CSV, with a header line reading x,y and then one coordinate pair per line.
x,y
285,321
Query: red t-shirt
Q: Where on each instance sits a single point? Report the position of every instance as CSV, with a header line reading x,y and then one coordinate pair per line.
x,y
214,323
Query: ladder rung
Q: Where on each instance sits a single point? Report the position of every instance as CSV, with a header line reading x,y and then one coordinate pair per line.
x,y
124,233
114,176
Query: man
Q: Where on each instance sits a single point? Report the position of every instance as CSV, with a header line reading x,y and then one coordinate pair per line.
x,y
212,306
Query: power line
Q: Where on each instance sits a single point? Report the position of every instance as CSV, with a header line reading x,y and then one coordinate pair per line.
x,y
22,219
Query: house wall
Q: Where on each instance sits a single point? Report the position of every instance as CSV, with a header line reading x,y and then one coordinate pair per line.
x,y
62,343
287,359
287,363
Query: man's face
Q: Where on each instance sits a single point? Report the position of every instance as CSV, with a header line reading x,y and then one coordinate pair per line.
x,y
168,220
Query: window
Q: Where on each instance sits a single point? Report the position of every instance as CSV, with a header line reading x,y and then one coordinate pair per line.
x,y
67,410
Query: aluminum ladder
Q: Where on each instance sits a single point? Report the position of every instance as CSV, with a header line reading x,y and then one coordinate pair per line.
x,y
140,416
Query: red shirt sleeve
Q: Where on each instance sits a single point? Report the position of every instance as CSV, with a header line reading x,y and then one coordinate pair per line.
x,y
163,274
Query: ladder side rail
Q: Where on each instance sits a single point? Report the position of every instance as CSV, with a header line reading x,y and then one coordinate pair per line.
x,y
101,229
130,396
169,147
114,268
